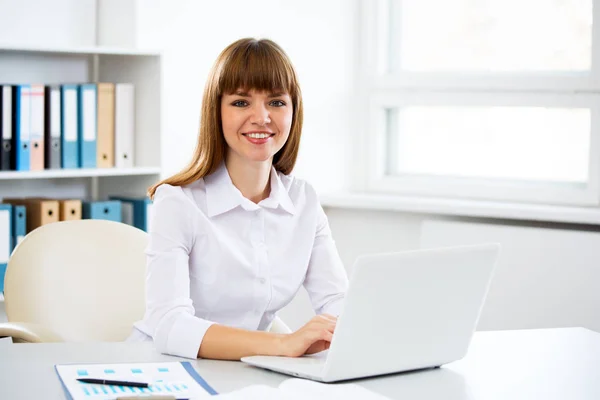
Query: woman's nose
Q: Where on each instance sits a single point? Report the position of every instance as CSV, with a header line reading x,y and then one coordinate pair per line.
x,y
260,115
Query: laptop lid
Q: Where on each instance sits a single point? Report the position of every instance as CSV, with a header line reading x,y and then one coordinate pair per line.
x,y
410,310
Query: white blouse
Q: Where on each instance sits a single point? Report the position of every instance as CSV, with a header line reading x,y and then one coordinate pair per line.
x,y
216,257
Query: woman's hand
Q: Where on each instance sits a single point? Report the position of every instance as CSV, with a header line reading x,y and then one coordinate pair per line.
x,y
312,338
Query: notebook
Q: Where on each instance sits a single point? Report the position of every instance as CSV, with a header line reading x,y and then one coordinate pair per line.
x,y
178,379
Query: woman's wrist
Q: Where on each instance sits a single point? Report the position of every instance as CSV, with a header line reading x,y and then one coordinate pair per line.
x,y
277,347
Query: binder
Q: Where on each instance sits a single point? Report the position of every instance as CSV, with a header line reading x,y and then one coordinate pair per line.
x,y
37,128
21,126
106,125
69,210
108,210
5,240
69,126
135,211
19,225
38,211
52,142
7,154
87,125
124,125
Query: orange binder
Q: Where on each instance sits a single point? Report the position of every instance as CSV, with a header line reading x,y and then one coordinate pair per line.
x,y
106,126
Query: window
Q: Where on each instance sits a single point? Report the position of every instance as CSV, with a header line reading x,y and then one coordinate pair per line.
x,y
489,99
483,35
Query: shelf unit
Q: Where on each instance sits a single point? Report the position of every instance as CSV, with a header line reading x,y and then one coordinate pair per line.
x,y
58,65
78,173
6,47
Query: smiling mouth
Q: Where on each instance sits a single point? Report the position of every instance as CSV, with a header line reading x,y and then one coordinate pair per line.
x,y
261,135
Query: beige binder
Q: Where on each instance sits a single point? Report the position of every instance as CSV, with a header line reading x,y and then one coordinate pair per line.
x,y
39,211
69,210
106,126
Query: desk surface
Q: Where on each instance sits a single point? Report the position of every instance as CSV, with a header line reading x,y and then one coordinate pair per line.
x,y
530,364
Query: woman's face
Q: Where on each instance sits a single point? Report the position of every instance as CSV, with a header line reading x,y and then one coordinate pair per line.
x,y
256,125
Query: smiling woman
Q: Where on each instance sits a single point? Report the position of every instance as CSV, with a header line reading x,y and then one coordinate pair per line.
x,y
245,67
234,235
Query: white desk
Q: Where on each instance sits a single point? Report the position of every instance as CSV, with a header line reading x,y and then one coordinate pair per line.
x,y
549,364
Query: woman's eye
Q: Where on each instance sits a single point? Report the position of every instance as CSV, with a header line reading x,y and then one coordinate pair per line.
x,y
278,103
239,103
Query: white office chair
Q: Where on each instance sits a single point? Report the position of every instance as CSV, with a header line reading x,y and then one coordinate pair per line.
x,y
78,281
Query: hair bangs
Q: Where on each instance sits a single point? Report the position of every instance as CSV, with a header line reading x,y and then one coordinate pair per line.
x,y
260,66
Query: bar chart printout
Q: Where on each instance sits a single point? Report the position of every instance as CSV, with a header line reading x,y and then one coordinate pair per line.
x,y
172,378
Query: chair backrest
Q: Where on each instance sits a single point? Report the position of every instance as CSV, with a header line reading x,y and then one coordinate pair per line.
x,y
83,279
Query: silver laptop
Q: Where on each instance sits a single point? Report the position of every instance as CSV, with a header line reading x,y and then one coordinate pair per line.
x,y
403,311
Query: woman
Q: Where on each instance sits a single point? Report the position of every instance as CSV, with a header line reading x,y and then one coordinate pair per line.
x,y
234,236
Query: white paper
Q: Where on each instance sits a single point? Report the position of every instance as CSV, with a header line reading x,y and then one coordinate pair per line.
x,y
316,390
260,392
301,389
164,378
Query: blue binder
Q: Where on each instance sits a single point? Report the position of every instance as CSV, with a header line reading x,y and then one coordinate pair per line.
x,y
5,239
140,210
19,218
108,210
87,110
21,125
69,126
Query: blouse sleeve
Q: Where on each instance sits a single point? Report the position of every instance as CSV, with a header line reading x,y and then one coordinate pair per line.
x,y
326,281
170,316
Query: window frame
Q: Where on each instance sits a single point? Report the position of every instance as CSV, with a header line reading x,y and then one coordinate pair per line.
x,y
382,90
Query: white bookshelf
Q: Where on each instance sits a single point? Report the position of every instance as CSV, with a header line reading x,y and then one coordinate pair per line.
x,y
6,47
59,65
78,173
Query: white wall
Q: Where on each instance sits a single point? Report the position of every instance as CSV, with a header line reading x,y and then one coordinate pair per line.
x,y
544,277
48,23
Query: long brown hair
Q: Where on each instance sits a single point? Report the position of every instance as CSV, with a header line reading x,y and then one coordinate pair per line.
x,y
245,64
